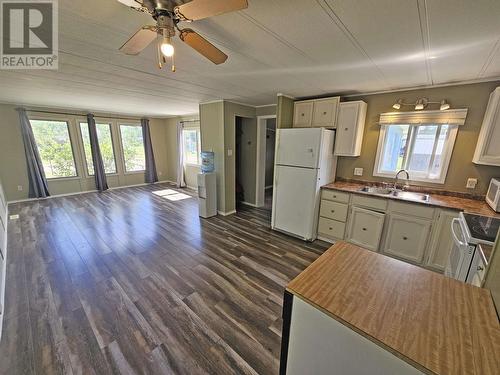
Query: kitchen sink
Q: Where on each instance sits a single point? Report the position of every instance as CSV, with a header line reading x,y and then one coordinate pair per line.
x,y
419,197
376,190
411,196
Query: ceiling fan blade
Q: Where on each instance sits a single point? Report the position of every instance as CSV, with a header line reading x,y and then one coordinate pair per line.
x,y
139,41
131,3
198,9
203,46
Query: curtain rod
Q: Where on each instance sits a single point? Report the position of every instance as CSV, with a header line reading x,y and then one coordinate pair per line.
x,y
183,121
80,114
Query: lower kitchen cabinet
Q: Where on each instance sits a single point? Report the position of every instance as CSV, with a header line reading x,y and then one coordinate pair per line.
x,y
406,237
365,227
330,229
441,240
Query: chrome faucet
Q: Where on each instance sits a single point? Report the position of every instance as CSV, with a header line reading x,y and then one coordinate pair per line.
x,y
397,177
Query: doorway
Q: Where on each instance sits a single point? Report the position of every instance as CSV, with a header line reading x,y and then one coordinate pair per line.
x,y
266,135
245,161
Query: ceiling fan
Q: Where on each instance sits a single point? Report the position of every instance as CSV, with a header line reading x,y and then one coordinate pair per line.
x,y
167,14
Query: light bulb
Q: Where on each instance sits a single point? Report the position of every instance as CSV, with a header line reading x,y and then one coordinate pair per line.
x,y
397,105
167,48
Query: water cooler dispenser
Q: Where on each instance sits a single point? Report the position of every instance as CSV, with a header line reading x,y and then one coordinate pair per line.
x,y
207,186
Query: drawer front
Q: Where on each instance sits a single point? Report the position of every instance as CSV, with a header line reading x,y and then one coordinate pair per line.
x,y
331,228
333,210
407,237
324,112
412,209
333,195
365,228
302,114
364,201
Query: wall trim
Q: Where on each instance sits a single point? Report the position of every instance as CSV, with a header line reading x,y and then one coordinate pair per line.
x,y
250,204
286,96
87,191
265,105
3,277
226,213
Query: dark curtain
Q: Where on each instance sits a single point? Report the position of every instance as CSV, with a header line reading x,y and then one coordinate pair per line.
x,y
150,176
38,187
99,173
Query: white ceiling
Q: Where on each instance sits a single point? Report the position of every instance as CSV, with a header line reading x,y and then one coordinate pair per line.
x,y
298,47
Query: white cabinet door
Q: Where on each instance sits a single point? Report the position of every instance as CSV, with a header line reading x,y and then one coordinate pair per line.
x,y
350,128
325,112
406,237
302,114
441,240
298,147
488,145
365,228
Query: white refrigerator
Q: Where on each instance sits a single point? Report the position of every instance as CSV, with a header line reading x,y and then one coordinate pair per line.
x,y
304,162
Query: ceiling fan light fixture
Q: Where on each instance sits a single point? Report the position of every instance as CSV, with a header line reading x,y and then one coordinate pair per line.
x,y
166,47
444,105
397,105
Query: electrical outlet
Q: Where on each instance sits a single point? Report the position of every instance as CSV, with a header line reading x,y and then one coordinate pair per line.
x,y
19,187
471,183
160,173
358,171
229,152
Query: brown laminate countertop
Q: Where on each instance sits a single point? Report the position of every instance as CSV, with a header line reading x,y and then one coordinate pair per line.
x,y
435,323
444,201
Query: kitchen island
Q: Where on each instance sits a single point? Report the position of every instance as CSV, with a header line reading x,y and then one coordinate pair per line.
x,y
354,311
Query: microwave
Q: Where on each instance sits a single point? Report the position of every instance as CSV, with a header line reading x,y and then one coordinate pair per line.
x,y
493,194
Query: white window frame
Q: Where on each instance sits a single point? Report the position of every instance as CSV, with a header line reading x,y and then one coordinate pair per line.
x,y
122,153
74,148
113,145
198,143
414,176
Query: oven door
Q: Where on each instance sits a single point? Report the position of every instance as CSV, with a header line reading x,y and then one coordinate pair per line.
x,y
457,266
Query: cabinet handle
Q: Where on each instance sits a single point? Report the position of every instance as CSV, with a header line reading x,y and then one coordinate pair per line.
x,y
405,238
335,196
332,211
330,228
364,228
302,114
324,113
346,129
480,268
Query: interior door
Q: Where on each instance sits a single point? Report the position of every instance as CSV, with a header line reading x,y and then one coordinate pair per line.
x,y
295,201
298,147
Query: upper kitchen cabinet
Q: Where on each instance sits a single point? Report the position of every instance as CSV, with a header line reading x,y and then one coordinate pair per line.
x,y
350,128
316,113
488,145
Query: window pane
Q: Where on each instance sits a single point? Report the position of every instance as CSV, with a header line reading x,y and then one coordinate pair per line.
x,y
394,148
423,146
54,146
437,165
190,146
133,148
105,144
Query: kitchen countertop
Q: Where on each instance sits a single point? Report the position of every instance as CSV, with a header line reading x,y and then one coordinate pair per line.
x,y
438,200
437,324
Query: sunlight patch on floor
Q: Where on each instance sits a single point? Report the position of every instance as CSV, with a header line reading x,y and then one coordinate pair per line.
x,y
171,195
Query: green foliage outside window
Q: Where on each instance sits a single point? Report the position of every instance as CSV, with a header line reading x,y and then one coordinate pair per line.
x,y
133,148
54,146
105,145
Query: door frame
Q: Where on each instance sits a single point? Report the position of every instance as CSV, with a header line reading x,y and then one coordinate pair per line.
x,y
260,178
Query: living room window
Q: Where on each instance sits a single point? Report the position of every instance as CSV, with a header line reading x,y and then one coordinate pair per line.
x,y
105,144
54,145
424,150
191,146
132,148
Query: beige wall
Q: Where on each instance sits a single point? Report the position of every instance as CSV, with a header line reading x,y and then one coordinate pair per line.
x,y
284,112
268,110
13,164
472,96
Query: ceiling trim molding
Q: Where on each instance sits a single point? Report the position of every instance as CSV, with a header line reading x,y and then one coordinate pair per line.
x,y
414,88
286,96
265,105
425,32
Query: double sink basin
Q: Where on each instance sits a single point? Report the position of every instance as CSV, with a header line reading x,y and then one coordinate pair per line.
x,y
408,195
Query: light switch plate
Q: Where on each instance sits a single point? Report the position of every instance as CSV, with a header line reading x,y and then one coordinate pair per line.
x,y
471,183
13,217
229,152
19,187
358,171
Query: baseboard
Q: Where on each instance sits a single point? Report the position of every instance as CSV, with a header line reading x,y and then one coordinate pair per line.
x,y
226,213
268,187
89,191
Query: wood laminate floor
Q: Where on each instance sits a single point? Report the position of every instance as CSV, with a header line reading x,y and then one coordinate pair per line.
x,y
130,282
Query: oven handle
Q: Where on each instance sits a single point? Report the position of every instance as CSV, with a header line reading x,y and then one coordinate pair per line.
x,y
455,237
